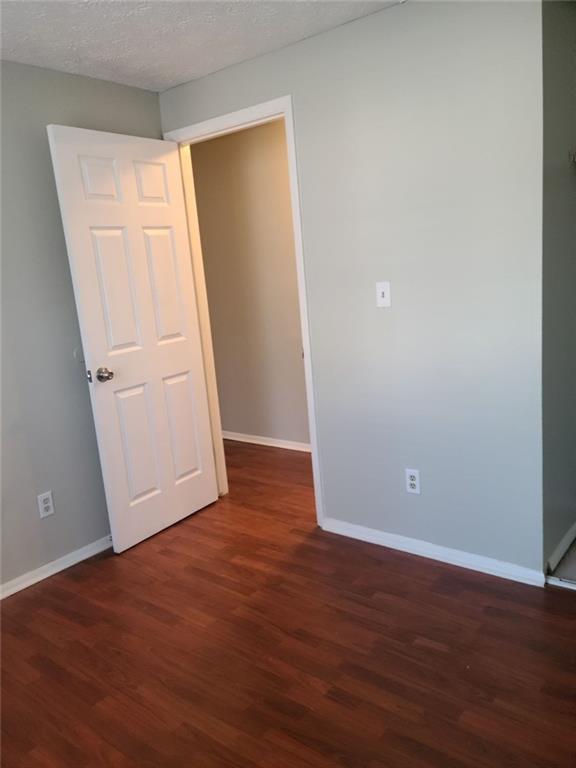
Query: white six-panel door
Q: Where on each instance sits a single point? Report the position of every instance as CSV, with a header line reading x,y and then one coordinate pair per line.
x,y
125,223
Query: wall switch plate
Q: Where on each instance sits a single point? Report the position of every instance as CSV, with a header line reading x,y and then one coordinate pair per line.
x,y
46,504
412,481
383,295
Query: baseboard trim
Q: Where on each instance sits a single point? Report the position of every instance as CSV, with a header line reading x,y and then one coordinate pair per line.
x,y
554,581
563,546
444,554
33,577
271,441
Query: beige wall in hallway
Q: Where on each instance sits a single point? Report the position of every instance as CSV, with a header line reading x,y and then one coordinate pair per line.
x,y
559,273
243,197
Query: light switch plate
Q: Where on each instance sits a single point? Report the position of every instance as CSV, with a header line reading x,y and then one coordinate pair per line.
x,y
383,295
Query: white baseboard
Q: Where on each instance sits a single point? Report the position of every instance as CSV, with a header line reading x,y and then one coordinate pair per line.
x,y
271,441
563,546
33,577
554,581
433,551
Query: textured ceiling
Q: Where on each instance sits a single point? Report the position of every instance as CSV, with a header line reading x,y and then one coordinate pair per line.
x,y
158,44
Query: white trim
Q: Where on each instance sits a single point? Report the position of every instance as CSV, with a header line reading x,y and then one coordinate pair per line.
x,y
33,577
280,108
554,581
231,122
274,442
563,546
444,554
203,318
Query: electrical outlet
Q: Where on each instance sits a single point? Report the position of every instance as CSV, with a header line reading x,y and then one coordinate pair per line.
x,y
412,481
46,504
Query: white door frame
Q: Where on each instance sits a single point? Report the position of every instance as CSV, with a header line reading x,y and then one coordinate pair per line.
x,y
231,122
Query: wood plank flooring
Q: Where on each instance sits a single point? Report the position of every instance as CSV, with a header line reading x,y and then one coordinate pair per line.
x,y
245,636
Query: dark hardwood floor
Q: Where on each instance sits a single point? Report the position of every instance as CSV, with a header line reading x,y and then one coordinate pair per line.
x,y
245,636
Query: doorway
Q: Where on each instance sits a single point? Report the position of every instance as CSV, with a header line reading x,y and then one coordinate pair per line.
x,y
244,212
239,173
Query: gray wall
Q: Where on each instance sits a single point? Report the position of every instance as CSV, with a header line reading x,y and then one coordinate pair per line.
x,y
419,143
48,439
559,304
243,195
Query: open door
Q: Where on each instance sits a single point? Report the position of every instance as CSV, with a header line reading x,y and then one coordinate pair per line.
x,y
124,219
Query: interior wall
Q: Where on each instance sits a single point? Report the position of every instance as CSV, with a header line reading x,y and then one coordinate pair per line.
x,y
419,144
244,209
48,437
559,283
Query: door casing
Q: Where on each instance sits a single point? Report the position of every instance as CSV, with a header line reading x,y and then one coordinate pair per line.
x,y
231,122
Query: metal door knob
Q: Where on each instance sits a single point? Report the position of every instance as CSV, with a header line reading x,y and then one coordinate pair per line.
x,y
104,374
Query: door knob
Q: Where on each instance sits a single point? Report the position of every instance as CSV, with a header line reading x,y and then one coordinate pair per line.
x,y
104,374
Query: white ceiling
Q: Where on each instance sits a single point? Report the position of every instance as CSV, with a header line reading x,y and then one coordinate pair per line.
x,y
157,44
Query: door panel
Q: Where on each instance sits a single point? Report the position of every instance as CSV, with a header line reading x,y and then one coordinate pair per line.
x,y
138,444
111,253
165,283
100,178
180,406
126,233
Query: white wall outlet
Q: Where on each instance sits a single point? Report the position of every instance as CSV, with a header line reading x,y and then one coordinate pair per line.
x,y
46,504
383,295
412,481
